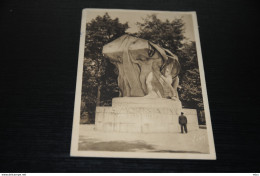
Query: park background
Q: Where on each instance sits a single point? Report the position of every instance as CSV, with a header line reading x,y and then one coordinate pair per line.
x,y
173,31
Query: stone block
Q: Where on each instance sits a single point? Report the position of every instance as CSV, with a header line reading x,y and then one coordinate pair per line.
x,y
146,115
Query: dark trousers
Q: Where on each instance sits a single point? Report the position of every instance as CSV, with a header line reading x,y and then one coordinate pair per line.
x,y
185,128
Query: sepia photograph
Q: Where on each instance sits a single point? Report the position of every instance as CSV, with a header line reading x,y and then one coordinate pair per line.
x,y
129,87
141,90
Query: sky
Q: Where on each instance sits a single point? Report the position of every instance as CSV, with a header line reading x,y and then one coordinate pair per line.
x,y
132,17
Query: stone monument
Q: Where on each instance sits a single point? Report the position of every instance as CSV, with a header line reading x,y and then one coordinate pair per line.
x,y
148,79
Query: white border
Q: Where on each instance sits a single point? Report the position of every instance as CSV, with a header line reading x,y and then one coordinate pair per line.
x,y
76,119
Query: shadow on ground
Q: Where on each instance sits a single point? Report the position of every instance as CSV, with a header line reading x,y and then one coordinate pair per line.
x,y
119,146
122,146
174,151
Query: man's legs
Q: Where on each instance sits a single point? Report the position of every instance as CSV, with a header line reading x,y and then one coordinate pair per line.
x,y
185,128
181,128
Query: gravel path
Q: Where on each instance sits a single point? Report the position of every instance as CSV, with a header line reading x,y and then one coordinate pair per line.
x,y
192,142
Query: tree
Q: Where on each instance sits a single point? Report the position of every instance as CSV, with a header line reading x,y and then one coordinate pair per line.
x,y
164,33
97,70
170,35
190,93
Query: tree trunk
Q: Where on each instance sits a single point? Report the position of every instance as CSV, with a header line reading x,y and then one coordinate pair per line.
x,y
98,95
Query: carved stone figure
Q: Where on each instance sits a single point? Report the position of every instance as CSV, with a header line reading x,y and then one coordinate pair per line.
x,y
148,81
145,69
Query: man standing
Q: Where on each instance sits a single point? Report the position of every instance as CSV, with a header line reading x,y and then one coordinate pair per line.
x,y
183,122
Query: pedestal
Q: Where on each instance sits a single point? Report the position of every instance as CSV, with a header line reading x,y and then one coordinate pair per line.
x,y
143,115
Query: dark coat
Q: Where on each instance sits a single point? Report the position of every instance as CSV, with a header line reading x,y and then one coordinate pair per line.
x,y
182,119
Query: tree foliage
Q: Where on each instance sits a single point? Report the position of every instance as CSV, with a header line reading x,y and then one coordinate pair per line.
x,y
190,92
99,76
164,33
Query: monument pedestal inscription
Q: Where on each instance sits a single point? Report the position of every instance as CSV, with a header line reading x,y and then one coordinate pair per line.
x,y
143,115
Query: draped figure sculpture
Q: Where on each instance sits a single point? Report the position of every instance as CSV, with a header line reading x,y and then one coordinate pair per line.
x,y
145,69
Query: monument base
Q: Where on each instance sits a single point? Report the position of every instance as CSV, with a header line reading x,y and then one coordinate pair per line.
x,y
144,115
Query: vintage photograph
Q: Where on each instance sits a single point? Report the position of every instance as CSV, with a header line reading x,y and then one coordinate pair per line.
x,y
141,90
